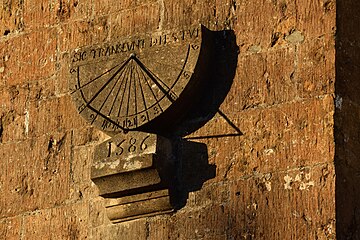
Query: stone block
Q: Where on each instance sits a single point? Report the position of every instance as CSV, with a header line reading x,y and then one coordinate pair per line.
x,y
142,19
53,115
259,32
315,72
104,7
13,114
209,194
40,178
14,126
47,14
208,222
75,9
138,206
134,172
77,34
315,18
29,57
135,230
10,228
132,161
40,15
201,223
263,79
214,14
88,135
97,213
298,198
273,139
161,227
42,89
11,13
65,222
123,153
15,98
80,182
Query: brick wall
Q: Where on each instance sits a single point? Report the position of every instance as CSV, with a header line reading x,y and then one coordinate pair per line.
x,y
275,181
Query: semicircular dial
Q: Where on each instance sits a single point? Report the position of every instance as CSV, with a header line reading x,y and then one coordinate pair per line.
x,y
122,86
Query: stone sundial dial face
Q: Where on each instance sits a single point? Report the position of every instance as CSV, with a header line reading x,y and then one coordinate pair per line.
x,y
126,84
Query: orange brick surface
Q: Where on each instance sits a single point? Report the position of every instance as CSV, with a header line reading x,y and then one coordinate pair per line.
x,y
275,180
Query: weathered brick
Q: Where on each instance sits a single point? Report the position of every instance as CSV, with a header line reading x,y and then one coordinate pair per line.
x,y
48,13
67,222
295,203
41,176
315,73
83,33
29,57
135,230
10,228
11,13
315,18
199,223
104,7
97,214
263,79
193,223
88,135
209,194
277,138
53,115
138,20
264,30
81,185
41,14
178,14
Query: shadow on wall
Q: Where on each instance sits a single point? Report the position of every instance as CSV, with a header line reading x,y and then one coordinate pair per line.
x,y
192,157
347,124
220,76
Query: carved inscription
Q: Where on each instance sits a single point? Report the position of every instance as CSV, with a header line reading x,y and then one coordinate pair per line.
x,y
130,145
136,44
125,146
122,86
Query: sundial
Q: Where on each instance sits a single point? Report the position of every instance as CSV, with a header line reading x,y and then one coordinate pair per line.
x,y
123,86
130,89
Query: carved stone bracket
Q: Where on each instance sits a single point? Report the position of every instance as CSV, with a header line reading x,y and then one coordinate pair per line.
x,y
133,172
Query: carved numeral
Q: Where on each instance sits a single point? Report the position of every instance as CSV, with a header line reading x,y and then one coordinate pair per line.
x,y
156,110
119,149
73,70
132,147
186,75
195,47
143,145
144,118
81,108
